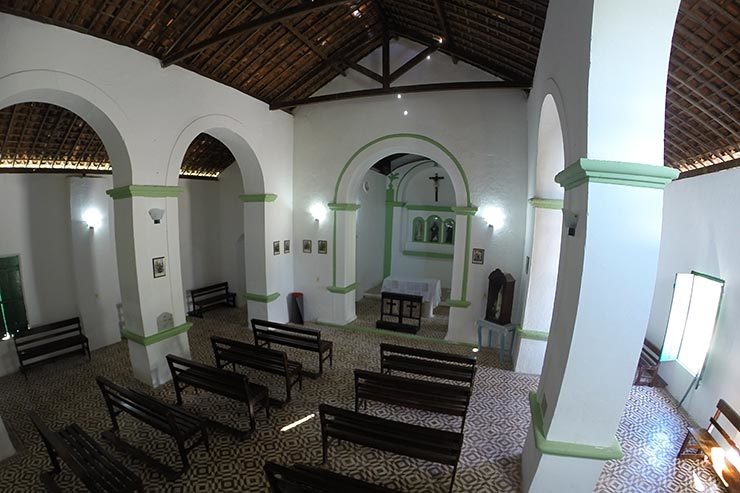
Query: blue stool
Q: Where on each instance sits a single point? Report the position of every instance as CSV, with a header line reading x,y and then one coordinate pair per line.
x,y
500,331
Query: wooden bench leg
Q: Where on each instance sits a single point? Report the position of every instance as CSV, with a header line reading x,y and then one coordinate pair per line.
x,y
688,443
324,448
452,482
48,481
169,473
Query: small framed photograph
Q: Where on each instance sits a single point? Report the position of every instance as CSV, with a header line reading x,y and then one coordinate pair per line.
x,y
478,255
323,246
158,267
276,247
306,246
286,246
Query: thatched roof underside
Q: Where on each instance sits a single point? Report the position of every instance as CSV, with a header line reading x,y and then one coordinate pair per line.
x,y
292,59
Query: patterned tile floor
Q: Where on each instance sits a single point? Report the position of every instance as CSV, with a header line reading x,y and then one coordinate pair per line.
x,y
650,432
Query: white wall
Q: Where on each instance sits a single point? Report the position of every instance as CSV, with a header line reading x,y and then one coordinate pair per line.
x,y
485,130
701,233
371,233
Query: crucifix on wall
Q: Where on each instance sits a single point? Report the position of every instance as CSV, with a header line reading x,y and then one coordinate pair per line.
x,y
436,179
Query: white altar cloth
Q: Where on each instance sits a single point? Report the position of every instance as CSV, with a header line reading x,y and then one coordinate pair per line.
x,y
430,290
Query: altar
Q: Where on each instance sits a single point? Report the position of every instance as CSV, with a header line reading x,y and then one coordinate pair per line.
x,y
430,291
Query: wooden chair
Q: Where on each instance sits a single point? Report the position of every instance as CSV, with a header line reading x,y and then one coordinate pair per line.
x,y
94,466
699,442
267,333
648,365
50,342
211,296
227,351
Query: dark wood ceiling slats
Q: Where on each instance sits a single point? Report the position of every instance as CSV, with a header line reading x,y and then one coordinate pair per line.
x,y
291,59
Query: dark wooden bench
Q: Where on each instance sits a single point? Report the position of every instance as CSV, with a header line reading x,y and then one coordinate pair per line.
x,y
211,296
400,312
267,333
427,363
302,478
436,397
647,366
440,446
93,466
181,425
187,373
227,351
699,442
50,342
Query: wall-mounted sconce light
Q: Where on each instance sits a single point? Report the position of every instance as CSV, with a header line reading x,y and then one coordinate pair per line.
x,y
318,211
494,216
570,221
92,217
156,215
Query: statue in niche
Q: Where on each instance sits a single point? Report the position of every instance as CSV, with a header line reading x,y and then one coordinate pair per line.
x,y
418,230
449,236
434,232
500,297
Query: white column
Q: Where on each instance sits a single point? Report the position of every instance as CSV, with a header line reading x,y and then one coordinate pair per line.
x,y
529,351
604,292
259,297
343,249
153,307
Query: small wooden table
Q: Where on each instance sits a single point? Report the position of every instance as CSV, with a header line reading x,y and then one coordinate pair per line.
x,y
501,331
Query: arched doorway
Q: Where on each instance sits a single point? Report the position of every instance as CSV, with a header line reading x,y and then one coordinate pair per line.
x,y
545,256
344,207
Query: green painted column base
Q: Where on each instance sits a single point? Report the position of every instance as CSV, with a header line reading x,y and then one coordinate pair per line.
x,y
158,337
342,290
534,335
567,449
261,298
458,303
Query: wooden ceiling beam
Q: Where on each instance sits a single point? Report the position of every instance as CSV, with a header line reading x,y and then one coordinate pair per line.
x,y
442,17
364,93
386,59
413,62
251,26
709,169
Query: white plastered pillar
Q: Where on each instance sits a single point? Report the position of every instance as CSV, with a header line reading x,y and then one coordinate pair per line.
x,y
343,251
153,307
531,341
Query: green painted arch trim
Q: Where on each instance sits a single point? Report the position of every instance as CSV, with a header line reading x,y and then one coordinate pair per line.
x,y
404,136
437,255
465,211
395,204
158,337
429,208
342,290
538,203
154,191
262,298
567,449
615,173
534,335
258,197
336,206
458,303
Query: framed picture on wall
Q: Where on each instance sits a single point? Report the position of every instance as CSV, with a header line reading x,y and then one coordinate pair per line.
x,y
276,247
158,267
478,255
323,246
286,246
306,246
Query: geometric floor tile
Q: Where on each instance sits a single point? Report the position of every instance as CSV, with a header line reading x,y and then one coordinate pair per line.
x,y
650,432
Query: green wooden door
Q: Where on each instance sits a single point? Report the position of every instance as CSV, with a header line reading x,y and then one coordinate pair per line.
x,y
12,308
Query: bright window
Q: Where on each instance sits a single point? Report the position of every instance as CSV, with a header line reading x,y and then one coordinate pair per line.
x,y
691,322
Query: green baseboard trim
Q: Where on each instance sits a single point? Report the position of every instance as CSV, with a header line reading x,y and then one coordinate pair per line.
x,y
615,173
262,298
538,203
465,211
158,337
342,290
258,197
336,206
437,255
535,335
383,332
458,303
154,191
430,208
567,449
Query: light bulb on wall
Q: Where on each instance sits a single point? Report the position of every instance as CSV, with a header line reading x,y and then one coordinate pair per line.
x,y
494,216
156,215
92,217
318,211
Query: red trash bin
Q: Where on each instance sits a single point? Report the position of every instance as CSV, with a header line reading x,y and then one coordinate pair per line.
x,y
295,308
